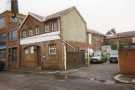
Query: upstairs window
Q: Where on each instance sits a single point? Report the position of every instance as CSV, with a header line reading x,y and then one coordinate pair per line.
x,y
31,33
37,30
51,26
24,34
54,26
2,22
13,35
52,49
47,28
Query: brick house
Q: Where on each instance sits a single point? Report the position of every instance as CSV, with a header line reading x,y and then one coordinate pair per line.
x,y
125,44
9,38
121,39
53,42
96,39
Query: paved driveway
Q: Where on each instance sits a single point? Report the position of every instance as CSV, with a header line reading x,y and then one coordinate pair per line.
x,y
101,72
94,77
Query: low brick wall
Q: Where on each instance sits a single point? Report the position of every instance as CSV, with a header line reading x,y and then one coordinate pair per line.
x,y
127,60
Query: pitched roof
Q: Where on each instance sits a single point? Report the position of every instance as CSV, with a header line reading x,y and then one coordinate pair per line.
x,y
122,35
63,12
60,13
126,34
38,17
55,15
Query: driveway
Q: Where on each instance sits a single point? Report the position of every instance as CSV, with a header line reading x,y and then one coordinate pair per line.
x,y
99,72
94,77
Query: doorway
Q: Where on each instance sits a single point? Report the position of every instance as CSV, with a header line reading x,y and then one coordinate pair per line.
x,y
31,56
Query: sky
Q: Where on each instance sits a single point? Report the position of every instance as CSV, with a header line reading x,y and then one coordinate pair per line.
x,y
100,15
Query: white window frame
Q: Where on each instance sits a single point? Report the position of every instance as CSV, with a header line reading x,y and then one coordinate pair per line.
x,y
52,48
32,49
133,39
46,28
37,30
24,34
26,51
31,33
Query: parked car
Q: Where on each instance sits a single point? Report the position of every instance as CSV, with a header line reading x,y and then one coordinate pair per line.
x,y
2,65
98,57
113,57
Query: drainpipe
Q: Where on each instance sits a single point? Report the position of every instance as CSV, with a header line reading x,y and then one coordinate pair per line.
x,y
65,58
65,53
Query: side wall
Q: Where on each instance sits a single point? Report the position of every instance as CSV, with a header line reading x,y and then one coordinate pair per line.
x,y
73,27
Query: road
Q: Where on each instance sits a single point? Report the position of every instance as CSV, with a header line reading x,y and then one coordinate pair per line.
x,y
94,77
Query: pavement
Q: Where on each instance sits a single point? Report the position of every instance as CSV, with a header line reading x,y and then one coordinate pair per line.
x,y
127,79
44,72
94,77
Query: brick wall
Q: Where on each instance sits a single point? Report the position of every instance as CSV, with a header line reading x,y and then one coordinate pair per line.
x,y
127,61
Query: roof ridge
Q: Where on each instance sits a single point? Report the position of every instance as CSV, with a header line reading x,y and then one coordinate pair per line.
x,y
59,13
38,17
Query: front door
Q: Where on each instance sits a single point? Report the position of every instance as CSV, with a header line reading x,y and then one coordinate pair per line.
x,y
12,57
31,57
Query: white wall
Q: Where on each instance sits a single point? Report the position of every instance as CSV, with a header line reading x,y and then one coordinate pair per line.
x,y
40,38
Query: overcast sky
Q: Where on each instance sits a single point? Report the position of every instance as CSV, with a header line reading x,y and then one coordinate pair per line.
x,y
100,15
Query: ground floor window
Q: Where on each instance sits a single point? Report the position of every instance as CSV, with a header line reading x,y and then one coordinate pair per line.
x,y
3,54
29,50
13,55
52,49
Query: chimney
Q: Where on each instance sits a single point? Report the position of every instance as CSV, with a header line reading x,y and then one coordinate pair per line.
x,y
14,7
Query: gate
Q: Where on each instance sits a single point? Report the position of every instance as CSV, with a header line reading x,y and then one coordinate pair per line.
x,y
75,59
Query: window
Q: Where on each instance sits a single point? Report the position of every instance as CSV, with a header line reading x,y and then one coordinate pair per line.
x,y
24,34
54,26
51,26
31,33
13,35
13,55
26,51
2,22
37,30
29,50
52,49
133,39
3,37
2,53
46,27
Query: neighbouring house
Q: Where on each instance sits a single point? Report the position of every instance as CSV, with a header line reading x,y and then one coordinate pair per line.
x,y
123,39
95,39
57,41
9,37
